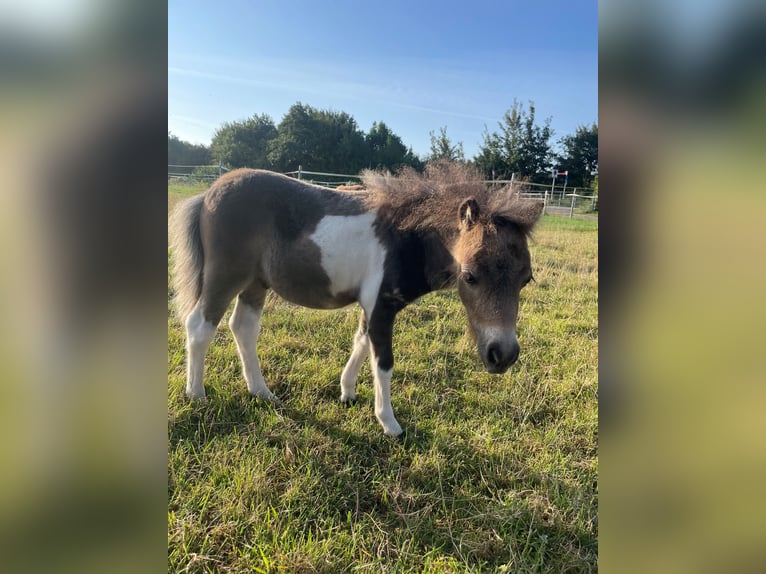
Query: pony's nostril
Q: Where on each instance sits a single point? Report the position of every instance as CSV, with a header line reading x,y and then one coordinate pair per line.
x,y
500,356
493,354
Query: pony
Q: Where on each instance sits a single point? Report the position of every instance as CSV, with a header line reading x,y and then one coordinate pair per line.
x,y
405,235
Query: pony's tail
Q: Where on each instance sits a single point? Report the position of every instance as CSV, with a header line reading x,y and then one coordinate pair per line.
x,y
188,257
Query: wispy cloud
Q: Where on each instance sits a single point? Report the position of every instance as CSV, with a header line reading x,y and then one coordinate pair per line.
x,y
328,80
191,121
219,77
448,113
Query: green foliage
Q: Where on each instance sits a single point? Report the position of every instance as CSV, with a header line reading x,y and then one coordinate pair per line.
x,y
442,147
580,155
208,172
387,151
244,143
497,473
331,141
317,140
521,146
184,153
320,140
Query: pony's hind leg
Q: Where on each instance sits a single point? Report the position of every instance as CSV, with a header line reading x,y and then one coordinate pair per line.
x,y
245,324
199,335
217,292
355,362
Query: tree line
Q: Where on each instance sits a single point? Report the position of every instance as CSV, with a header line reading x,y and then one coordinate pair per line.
x,y
331,141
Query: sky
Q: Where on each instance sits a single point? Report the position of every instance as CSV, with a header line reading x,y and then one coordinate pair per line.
x,y
415,65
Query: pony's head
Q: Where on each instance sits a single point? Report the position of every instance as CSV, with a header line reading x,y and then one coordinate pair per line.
x,y
485,231
493,266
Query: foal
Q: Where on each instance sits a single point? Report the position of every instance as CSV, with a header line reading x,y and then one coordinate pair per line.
x,y
406,236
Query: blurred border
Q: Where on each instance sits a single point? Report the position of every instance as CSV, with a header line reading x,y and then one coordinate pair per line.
x,y
681,397
83,113
82,360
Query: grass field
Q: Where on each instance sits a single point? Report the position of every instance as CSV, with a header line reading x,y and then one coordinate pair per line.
x,y
497,473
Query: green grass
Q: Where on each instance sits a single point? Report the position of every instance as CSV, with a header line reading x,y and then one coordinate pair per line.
x,y
497,473
180,189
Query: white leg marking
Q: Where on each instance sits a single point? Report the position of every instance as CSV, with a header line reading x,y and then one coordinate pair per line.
x,y
245,324
383,411
354,364
199,334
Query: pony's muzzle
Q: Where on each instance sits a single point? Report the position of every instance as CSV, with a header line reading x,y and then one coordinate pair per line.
x,y
500,354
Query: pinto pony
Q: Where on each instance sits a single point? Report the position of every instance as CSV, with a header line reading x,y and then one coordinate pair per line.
x,y
403,237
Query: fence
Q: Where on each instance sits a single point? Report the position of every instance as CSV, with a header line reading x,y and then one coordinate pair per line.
x,y
196,172
560,196
337,178
553,196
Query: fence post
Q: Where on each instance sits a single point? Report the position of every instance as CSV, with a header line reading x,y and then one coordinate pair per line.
x,y
571,209
300,172
220,169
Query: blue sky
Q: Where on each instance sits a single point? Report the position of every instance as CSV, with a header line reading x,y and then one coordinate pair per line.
x,y
415,65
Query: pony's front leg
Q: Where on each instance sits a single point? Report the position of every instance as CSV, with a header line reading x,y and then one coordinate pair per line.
x,y
358,355
382,359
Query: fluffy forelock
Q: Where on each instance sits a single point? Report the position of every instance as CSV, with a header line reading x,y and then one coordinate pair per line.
x,y
430,200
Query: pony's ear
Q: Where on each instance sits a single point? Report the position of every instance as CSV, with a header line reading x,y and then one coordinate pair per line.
x,y
524,215
469,213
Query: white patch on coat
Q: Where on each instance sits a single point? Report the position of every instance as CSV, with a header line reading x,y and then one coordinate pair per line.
x,y
352,255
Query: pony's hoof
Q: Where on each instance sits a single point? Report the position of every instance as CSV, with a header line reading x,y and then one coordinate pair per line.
x,y
196,397
395,431
348,401
268,397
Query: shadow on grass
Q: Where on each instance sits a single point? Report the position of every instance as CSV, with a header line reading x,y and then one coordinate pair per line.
x,y
463,502
234,413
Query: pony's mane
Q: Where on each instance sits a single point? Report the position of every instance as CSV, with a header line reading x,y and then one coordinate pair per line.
x,y
430,201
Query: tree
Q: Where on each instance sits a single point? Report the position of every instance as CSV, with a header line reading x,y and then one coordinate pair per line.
x,y
386,149
319,140
491,159
580,155
521,146
181,152
443,148
244,143
343,144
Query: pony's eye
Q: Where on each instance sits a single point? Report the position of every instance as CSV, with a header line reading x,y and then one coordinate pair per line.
x,y
468,277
